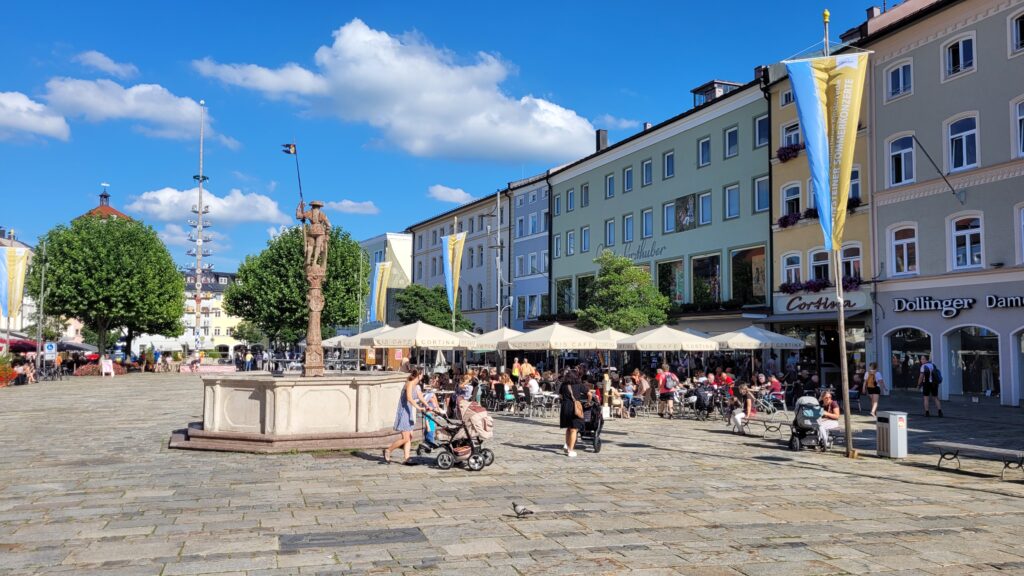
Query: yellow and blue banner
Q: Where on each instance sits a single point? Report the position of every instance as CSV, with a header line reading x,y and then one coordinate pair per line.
x,y
379,291
451,248
13,265
828,93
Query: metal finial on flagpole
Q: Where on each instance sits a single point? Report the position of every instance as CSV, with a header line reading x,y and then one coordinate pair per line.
x,y
825,18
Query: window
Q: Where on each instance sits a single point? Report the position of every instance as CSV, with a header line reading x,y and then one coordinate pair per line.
x,y
520,201
480,255
732,201
627,179
461,302
585,239
904,250
501,215
761,131
705,208
1017,33
558,204
762,196
704,152
480,295
627,228
216,331
570,242
419,242
460,226
668,164
959,56
533,197
222,280
544,261
819,265
434,237
433,266
668,217
646,172
558,245
963,144
570,200
1020,128
609,233
480,222
706,279
609,186
584,195
534,224
791,135
854,183
520,227
469,292
787,97
967,243
419,270
851,262
901,161
791,268
469,261
532,269
521,307
748,275
531,306
791,199
732,142
900,81
544,193
647,223
472,225
544,221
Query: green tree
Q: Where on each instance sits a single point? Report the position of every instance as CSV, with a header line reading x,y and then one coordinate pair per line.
x,y
271,287
90,336
53,327
247,332
623,297
430,306
110,274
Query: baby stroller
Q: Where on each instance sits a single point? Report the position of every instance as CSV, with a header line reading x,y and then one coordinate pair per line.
x,y
461,440
593,422
805,425
704,403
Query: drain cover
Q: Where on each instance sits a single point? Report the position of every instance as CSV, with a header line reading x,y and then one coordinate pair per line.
x,y
350,538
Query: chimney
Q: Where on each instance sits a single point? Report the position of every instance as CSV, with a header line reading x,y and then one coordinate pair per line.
x,y
647,126
874,12
601,136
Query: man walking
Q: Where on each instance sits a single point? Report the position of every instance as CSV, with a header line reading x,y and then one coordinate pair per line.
x,y
248,360
929,381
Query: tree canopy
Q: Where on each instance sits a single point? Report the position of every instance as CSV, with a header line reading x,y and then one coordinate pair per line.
x,y
247,332
623,297
271,287
430,306
110,274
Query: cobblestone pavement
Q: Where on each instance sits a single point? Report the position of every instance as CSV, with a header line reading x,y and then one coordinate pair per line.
x,y
88,486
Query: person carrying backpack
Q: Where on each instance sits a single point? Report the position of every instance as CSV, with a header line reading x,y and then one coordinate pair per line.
x,y
929,381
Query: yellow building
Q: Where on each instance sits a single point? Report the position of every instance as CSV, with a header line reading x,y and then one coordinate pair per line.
x,y
216,326
804,299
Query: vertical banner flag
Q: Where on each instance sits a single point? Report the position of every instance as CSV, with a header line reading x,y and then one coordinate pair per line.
x,y
451,246
13,264
828,93
379,291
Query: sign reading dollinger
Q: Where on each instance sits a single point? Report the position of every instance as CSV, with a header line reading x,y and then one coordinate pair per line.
x,y
828,93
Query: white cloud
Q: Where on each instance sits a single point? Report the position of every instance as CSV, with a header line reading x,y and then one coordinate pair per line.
x,y
170,204
352,207
275,231
615,123
421,98
176,235
446,194
104,63
161,113
271,186
19,113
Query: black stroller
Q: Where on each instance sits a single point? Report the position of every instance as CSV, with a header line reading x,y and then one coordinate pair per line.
x,y
593,422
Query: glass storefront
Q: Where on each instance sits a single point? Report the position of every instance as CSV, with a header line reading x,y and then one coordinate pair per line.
x,y
973,361
907,347
748,276
672,281
821,354
707,287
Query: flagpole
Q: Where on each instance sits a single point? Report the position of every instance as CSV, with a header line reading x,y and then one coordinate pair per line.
x,y
825,17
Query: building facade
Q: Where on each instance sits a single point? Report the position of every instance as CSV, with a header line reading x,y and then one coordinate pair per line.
x,y
530,227
391,247
687,200
803,280
947,82
216,328
484,286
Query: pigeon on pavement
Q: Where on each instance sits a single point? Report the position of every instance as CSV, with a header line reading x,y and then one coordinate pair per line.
x,y
521,510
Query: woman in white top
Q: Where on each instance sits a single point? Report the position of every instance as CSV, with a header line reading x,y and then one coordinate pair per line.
x,y
874,385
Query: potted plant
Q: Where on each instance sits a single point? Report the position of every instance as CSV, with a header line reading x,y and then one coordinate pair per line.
x,y
811,213
790,287
788,152
851,283
788,220
816,285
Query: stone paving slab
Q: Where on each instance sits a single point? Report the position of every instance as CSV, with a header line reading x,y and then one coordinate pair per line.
x,y
88,486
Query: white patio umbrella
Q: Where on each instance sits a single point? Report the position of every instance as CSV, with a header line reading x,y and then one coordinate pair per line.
x,y
488,342
665,339
754,338
350,342
416,335
609,339
467,339
552,337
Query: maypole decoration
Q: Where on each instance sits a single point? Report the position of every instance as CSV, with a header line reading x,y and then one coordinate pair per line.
x,y
828,94
379,292
451,253
13,265
198,237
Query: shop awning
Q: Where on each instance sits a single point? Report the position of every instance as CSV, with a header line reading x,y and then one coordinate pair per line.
x,y
813,317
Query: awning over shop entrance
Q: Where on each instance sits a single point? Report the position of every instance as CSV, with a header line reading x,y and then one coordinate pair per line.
x,y
813,317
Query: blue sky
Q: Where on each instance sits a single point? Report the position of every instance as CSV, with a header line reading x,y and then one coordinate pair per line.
x,y
398,108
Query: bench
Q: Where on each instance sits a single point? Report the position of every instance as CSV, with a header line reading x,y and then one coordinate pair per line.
x,y
1011,459
773,423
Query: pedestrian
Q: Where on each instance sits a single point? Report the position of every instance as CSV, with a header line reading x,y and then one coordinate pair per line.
x,y
928,382
743,408
573,394
515,369
874,385
409,403
248,360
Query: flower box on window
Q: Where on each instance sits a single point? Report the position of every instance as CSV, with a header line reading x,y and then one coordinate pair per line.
x,y
853,203
788,220
811,213
791,287
816,285
788,152
851,283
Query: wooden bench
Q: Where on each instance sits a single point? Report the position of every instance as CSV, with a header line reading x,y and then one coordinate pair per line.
x,y
1011,459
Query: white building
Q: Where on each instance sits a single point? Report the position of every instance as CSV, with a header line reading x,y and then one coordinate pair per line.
x,y
391,247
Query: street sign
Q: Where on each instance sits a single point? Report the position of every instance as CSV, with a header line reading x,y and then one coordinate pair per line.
x,y
50,351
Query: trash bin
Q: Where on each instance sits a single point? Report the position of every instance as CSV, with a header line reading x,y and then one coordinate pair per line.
x,y
891,430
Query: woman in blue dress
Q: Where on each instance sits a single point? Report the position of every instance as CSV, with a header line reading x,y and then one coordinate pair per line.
x,y
409,403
